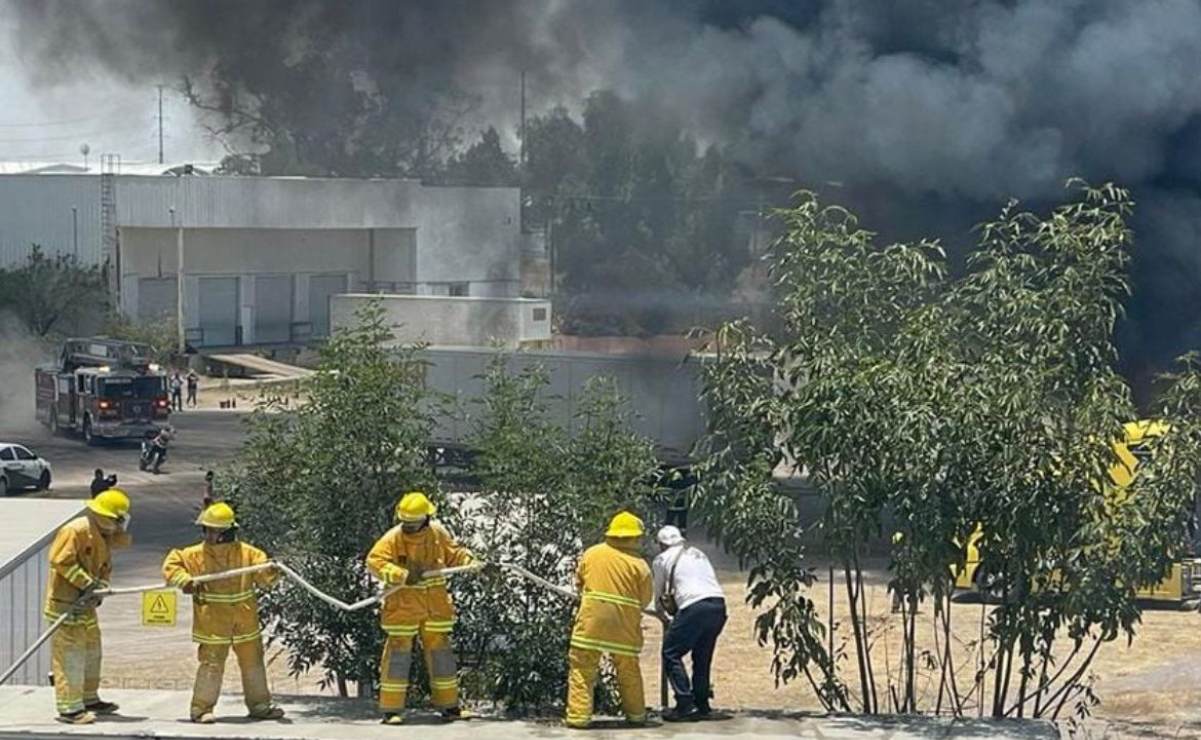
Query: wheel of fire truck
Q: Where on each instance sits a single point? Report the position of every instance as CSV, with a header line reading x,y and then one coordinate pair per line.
x,y
88,437
44,481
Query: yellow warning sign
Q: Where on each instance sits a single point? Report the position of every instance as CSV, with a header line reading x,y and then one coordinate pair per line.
x,y
158,608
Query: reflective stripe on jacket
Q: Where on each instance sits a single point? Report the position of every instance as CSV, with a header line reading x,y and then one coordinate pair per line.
x,y
614,584
428,601
80,558
224,611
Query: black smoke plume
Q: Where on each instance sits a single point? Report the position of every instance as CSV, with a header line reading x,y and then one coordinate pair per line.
x,y
927,114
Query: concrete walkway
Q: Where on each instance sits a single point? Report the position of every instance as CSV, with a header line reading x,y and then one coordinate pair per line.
x,y
27,712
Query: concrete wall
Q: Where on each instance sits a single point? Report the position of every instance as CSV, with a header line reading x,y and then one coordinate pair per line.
x,y
37,209
472,235
469,321
662,393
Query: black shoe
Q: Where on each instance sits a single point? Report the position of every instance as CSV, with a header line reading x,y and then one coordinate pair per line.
x,y
455,714
101,707
707,714
684,712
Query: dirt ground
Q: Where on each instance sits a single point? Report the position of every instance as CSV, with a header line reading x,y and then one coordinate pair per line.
x,y
1149,685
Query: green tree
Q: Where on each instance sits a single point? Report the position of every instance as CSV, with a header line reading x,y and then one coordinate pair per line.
x,y
58,294
923,406
484,163
544,497
316,486
643,224
161,336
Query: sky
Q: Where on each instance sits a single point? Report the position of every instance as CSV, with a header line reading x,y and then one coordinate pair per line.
x,y
51,123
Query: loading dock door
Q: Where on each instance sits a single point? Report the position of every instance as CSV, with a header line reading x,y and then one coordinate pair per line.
x,y
156,299
219,311
321,287
272,308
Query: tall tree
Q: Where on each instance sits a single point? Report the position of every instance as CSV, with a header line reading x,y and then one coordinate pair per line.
x,y
54,294
484,163
938,411
643,224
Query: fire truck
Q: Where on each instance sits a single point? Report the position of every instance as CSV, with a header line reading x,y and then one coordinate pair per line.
x,y
102,389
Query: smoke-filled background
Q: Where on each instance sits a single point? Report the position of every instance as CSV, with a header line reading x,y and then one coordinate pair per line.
x,y
924,115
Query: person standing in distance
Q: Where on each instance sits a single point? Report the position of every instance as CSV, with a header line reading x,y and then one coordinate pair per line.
x,y
687,591
176,384
193,381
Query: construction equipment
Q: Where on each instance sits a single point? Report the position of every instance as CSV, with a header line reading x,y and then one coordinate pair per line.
x,y
1182,584
102,388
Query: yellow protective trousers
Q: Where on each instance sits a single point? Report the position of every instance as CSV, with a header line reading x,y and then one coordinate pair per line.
x,y
212,657
397,661
75,659
583,666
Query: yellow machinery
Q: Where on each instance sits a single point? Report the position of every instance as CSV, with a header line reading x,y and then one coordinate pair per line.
x,y
1183,582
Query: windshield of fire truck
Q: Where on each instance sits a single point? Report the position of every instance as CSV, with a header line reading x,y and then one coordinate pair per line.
x,y
151,387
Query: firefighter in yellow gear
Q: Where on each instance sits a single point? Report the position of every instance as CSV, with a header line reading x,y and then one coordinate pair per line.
x,y
225,613
421,606
81,562
614,583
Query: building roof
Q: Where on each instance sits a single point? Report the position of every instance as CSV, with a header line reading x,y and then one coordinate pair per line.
x,y
33,167
29,523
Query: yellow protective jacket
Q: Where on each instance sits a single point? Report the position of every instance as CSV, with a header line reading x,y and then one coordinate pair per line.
x,y
614,583
428,601
79,559
226,611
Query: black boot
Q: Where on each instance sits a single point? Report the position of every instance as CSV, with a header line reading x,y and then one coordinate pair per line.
x,y
684,711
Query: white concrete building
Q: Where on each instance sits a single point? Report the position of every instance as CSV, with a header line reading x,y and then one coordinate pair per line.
x,y
263,255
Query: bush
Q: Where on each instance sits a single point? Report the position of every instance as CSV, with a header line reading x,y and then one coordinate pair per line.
x,y
544,497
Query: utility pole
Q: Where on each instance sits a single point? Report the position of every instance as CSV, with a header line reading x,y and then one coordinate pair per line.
x,y
179,282
75,230
160,124
521,156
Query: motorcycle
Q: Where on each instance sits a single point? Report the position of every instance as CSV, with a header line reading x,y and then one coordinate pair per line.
x,y
154,452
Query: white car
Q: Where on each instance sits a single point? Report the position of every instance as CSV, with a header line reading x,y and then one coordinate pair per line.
x,y
20,468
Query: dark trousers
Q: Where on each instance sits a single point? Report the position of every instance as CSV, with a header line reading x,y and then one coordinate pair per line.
x,y
694,630
191,395
177,400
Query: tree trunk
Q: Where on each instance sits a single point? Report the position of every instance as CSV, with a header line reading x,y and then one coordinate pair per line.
x,y
860,642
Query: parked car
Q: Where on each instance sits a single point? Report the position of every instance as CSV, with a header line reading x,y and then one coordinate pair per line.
x,y
21,468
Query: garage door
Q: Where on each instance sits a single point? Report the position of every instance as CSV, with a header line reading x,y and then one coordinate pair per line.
x,y
156,299
321,287
273,308
219,311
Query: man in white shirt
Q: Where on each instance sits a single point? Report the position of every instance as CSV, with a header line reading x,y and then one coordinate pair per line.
x,y
685,573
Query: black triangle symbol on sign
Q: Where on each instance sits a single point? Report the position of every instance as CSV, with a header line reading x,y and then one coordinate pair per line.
x,y
159,606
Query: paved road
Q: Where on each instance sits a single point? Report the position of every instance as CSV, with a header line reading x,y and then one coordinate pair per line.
x,y
164,505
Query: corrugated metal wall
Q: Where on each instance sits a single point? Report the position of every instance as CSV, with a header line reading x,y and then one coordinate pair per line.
x,y
22,593
37,209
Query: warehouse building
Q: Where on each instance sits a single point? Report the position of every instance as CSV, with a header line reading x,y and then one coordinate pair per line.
x,y
29,528
262,256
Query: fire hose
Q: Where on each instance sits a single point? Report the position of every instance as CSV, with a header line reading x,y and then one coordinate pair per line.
x,y
332,601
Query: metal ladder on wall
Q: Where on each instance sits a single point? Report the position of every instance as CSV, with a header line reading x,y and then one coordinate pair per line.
x,y
110,166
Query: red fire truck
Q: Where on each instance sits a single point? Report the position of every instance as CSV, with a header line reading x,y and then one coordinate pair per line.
x,y
103,389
